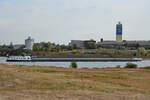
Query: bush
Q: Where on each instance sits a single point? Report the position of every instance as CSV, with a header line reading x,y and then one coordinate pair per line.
x,y
131,65
74,65
118,66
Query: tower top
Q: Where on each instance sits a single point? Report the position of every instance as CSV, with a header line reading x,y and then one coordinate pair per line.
x,y
29,37
119,22
119,32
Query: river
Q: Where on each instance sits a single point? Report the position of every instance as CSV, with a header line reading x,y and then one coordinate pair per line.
x,y
80,64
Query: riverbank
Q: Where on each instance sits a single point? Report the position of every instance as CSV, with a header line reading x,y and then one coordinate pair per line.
x,y
91,54
36,83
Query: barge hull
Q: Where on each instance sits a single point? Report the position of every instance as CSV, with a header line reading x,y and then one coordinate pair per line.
x,y
79,60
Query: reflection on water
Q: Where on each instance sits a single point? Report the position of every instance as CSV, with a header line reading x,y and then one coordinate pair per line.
x,y
80,64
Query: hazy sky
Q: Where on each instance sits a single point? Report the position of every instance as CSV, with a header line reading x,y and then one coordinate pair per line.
x,y
60,21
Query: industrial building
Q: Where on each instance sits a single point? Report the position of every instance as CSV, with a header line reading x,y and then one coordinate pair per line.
x,y
82,43
119,42
79,43
29,43
115,44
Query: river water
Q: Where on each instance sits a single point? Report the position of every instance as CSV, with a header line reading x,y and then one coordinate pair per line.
x,y
80,64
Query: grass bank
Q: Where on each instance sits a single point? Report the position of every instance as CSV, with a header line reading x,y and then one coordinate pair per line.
x,y
52,83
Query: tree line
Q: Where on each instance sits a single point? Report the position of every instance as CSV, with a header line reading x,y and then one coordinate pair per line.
x,y
48,46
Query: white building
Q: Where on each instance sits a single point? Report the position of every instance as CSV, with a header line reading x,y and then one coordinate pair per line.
x,y
29,43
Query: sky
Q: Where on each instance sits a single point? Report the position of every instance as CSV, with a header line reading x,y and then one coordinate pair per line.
x,y
60,21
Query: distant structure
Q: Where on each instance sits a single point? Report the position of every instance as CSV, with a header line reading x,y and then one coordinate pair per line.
x,y
119,32
79,43
29,43
82,43
124,43
18,46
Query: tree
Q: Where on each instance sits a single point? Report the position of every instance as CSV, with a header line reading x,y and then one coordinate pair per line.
x,y
42,46
37,47
11,45
131,65
74,65
58,48
91,45
121,48
75,46
70,47
63,46
49,46
142,51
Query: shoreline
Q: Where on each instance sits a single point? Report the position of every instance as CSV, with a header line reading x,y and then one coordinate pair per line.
x,y
80,68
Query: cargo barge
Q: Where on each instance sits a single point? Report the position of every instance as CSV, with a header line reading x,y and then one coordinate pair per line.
x,y
32,59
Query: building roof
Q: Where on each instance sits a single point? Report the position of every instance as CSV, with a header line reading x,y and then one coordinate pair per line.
x,y
109,43
18,46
